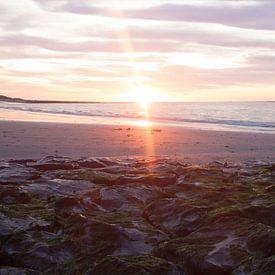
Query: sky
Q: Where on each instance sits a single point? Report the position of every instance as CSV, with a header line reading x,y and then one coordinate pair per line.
x,y
117,50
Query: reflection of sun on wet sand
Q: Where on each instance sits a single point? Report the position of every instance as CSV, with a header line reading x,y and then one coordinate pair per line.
x,y
35,139
143,123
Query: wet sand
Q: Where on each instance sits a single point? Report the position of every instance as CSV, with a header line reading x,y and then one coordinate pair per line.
x,y
21,140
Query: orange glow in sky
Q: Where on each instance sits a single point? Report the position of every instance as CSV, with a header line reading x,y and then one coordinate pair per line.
x,y
139,51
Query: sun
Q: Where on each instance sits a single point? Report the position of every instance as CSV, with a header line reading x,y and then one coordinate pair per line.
x,y
144,96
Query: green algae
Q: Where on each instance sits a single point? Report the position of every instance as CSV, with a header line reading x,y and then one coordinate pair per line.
x,y
134,265
36,209
210,205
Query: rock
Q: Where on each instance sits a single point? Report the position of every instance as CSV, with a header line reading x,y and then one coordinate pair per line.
x,y
261,240
136,265
91,163
202,174
17,175
5,270
127,198
11,225
271,167
253,237
219,246
270,188
105,239
257,202
151,179
68,206
260,213
54,163
94,176
116,169
58,187
149,162
13,194
140,216
21,161
174,214
8,226
38,250
4,164
191,255
163,169
216,164
258,267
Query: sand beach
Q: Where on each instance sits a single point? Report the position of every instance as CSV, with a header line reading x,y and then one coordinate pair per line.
x,y
21,140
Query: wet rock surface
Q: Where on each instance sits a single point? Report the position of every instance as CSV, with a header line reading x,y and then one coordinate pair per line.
x,y
136,216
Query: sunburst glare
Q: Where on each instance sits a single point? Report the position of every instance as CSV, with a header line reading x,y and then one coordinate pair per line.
x,y
144,96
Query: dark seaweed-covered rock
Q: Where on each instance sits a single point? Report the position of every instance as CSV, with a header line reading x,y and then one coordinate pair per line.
x,y
91,163
200,255
68,206
262,214
256,267
92,175
174,213
270,188
13,194
150,179
17,174
38,250
58,187
103,239
136,266
139,216
6,270
132,197
53,163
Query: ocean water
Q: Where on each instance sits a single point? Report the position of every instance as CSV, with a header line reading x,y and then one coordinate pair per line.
x,y
238,116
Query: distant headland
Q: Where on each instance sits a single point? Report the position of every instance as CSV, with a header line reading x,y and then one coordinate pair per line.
x,y
21,100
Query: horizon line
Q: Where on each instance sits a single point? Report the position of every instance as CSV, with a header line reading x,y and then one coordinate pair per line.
x,y
4,98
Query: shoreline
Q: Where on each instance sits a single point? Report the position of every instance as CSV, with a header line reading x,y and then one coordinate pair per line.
x,y
22,140
41,117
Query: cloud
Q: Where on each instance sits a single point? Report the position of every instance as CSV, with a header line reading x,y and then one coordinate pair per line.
x,y
259,71
259,16
254,17
89,46
69,47
228,38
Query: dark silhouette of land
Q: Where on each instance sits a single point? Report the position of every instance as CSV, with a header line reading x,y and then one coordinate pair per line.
x,y
21,100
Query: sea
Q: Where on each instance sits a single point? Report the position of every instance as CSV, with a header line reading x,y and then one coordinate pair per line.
x,y
229,116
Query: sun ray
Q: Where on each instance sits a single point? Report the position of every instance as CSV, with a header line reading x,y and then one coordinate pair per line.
x,y
139,93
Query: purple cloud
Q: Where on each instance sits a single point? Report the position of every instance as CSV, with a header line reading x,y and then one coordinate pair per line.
x,y
259,16
254,17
